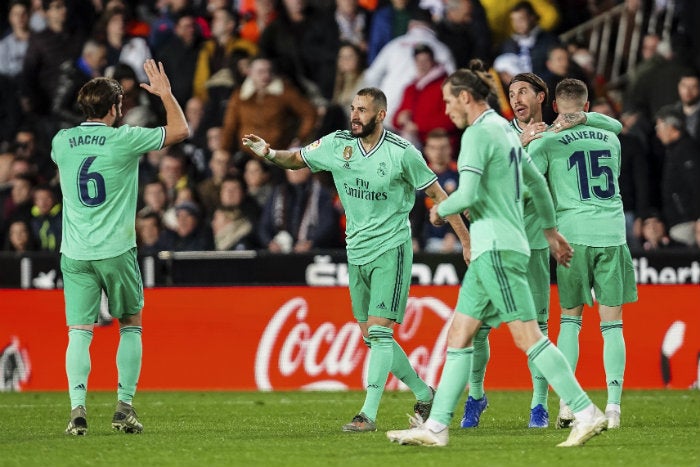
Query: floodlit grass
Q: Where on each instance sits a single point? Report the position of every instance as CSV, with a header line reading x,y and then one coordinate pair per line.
x,y
659,428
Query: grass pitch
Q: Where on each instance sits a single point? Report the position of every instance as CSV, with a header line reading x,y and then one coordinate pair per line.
x,y
659,428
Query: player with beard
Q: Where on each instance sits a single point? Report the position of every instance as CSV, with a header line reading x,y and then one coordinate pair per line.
x,y
528,94
98,165
376,173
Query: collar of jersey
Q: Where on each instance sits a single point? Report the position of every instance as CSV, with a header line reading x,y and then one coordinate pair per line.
x,y
516,125
376,146
93,124
481,117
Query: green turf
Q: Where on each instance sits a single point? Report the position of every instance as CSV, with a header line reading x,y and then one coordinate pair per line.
x,y
660,428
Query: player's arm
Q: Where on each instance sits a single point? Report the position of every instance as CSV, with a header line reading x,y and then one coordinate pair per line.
x,y
459,200
568,120
279,157
176,128
536,183
438,194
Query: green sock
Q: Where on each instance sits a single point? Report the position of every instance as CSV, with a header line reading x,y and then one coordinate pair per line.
x,y
401,368
128,362
550,361
381,355
540,386
614,355
568,339
480,358
78,365
454,378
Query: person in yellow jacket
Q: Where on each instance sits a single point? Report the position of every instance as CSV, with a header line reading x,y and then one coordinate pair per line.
x,y
498,16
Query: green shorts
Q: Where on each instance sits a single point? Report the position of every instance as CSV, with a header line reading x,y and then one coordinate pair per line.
x,y
606,270
83,282
380,287
495,289
538,277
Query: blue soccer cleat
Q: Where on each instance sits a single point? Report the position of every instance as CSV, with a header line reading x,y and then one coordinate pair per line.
x,y
472,411
539,417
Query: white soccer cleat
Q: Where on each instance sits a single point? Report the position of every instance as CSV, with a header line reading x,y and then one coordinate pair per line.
x,y
582,431
420,436
565,417
613,417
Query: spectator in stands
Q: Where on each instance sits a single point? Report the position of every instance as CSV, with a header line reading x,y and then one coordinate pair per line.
x,y
255,18
13,46
149,233
349,76
18,205
439,153
680,190
258,180
394,68
47,219
194,148
353,23
122,48
465,30
172,173
210,187
388,22
216,52
10,109
654,235
136,103
689,102
72,76
154,198
557,67
149,165
19,238
269,105
163,26
46,52
529,41
179,55
190,233
29,147
232,230
234,195
421,109
299,216
500,20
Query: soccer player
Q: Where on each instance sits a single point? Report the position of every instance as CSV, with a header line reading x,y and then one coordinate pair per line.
x,y
376,174
98,166
495,289
582,165
527,94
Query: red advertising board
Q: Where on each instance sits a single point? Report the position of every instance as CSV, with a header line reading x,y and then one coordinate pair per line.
x,y
286,338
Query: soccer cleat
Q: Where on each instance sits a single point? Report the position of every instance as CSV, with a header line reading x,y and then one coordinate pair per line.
x,y
77,426
613,417
565,417
473,409
539,417
422,409
125,419
419,436
583,431
360,422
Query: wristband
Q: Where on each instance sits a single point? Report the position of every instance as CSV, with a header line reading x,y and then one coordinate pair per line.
x,y
271,154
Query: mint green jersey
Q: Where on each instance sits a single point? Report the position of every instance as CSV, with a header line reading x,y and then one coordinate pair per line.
x,y
582,165
98,167
377,188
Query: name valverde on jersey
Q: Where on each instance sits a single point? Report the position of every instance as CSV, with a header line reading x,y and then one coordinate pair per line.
x,y
376,187
98,167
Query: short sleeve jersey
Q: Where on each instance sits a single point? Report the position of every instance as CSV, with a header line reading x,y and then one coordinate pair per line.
x,y
533,226
98,167
377,188
582,166
491,149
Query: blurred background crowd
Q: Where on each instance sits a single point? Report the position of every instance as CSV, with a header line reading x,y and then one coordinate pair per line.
x,y
287,70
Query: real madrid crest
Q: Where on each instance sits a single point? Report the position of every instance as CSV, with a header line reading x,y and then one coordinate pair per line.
x,y
347,153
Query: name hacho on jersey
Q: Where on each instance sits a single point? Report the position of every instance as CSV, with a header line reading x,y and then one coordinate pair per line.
x,y
579,135
83,140
361,190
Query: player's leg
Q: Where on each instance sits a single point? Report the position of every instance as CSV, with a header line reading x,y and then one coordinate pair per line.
x,y
539,280
82,292
476,400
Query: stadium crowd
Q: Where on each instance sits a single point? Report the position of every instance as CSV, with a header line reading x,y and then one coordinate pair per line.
x,y
287,70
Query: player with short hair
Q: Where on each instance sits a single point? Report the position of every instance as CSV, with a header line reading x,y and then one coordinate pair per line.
x,y
376,173
493,167
98,166
582,166
527,94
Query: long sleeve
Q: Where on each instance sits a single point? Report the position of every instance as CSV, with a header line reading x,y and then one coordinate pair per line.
x,y
463,197
541,196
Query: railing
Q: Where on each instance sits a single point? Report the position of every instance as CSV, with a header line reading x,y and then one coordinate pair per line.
x,y
626,28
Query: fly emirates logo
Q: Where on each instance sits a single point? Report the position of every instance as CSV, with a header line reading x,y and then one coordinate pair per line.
x,y
301,349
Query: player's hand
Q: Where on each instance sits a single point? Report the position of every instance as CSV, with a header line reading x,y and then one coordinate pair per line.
x,y
559,247
532,131
435,218
256,144
568,120
158,82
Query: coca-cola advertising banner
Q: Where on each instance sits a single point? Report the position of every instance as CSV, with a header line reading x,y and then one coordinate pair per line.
x,y
289,338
